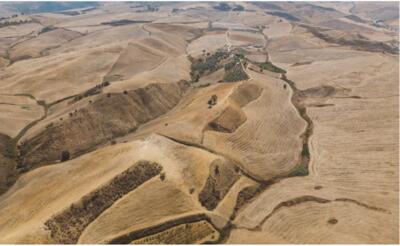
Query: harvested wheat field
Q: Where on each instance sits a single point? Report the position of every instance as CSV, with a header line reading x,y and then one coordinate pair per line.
x,y
198,123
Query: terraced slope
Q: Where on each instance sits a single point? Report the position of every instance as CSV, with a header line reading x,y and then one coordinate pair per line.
x,y
263,151
342,189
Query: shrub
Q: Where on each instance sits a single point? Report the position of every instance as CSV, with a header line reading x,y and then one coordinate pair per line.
x,y
113,142
162,176
212,101
299,170
229,66
305,152
47,29
332,221
41,102
49,125
132,129
9,149
204,85
209,64
64,156
270,67
302,111
125,92
235,74
318,187
191,190
241,56
78,97
216,170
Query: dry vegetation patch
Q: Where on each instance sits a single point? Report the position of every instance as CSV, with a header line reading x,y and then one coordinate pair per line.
x,y
228,121
188,233
109,116
221,178
67,226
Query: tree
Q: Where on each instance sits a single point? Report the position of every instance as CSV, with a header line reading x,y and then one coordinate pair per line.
x,y
162,176
216,170
214,99
64,155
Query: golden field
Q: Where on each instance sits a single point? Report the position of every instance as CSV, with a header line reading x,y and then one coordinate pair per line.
x,y
189,123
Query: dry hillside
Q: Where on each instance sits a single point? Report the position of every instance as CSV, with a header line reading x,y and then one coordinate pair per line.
x,y
191,123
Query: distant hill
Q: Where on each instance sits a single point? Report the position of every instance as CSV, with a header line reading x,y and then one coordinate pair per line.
x,y
39,7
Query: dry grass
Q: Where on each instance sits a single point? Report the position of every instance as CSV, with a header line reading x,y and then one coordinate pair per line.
x,y
258,144
365,172
17,112
348,82
39,46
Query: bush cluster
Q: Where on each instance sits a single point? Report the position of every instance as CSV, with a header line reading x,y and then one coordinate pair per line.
x,y
270,67
209,64
234,74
